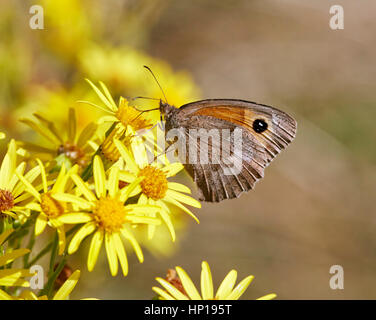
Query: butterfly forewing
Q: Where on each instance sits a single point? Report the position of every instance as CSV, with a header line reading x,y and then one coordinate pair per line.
x,y
264,132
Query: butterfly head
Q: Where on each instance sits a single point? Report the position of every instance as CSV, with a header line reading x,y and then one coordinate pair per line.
x,y
166,109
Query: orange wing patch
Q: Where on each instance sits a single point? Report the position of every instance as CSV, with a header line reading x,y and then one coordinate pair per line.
x,y
240,116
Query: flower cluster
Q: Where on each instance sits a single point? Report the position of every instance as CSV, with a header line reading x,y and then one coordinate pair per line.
x,y
105,183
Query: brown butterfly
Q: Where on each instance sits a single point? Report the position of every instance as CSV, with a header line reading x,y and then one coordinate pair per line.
x,y
265,131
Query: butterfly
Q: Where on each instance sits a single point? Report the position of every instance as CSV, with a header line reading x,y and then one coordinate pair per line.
x,y
264,132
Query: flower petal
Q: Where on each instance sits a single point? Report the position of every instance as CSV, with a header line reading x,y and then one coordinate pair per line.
x,y
111,254
40,224
75,218
269,296
163,294
188,284
183,198
172,290
99,177
82,186
240,288
67,287
178,187
130,237
80,235
131,165
95,247
206,282
119,246
226,286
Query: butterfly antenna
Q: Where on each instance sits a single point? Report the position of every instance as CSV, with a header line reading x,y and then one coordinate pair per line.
x,y
156,80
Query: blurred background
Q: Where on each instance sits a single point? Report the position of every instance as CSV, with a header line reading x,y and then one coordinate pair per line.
x,y
315,206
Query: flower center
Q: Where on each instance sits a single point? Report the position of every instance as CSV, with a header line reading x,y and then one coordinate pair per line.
x,y
6,200
154,185
51,207
74,153
110,214
128,115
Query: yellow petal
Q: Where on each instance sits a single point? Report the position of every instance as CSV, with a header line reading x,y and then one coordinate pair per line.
x,y
129,236
172,169
29,187
99,177
72,125
178,187
206,282
108,96
102,97
62,241
5,296
75,218
81,234
113,181
126,192
67,287
87,133
172,290
240,288
165,215
8,166
9,257
82,186
40,224
120,253
95,247
178,204
111,254
5,235
61,180
130,164
269,296
226,286
162,293
66,197
183,198
188,284
43,174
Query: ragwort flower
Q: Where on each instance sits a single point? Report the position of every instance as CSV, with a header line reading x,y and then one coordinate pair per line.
x,y
155,189
105,214
77,148
12,190
180,286
49,208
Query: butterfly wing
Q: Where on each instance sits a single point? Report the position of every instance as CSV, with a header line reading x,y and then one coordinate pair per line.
x,y
217,179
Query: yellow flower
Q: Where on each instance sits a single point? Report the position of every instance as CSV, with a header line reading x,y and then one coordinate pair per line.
x,y
124,119
155,189
2,135
49,208
77,148
105,214
11,277
124,113
12,191
181,287
121,69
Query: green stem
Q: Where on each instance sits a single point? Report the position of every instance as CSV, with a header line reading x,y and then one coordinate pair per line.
x,y
88,172
55,245
47,290
47,248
